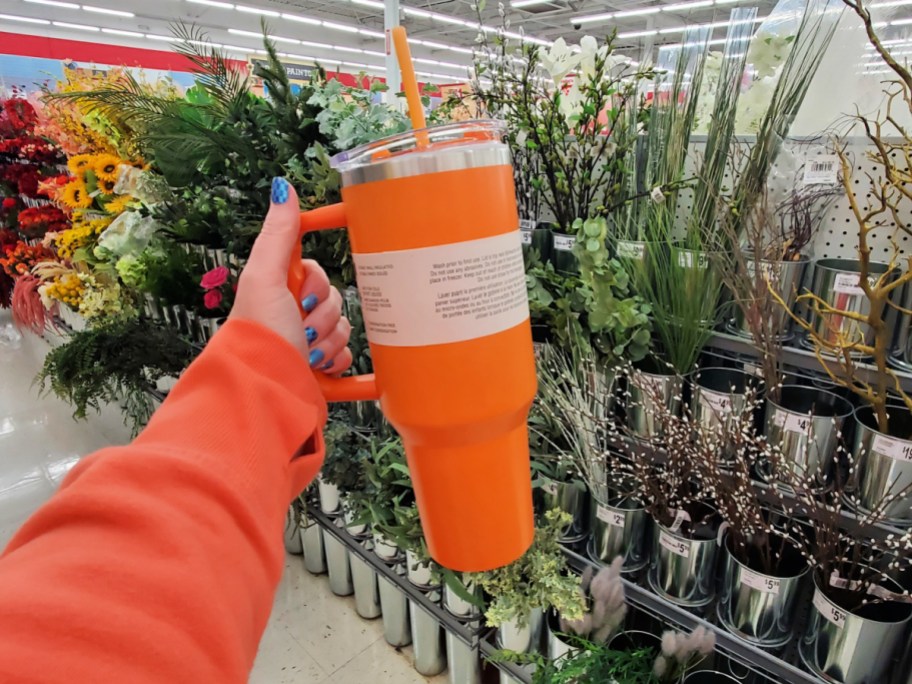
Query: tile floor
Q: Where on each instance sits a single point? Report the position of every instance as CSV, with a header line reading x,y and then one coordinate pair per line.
x,y
312,637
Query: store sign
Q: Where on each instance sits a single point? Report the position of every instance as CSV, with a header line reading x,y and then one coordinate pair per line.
x,y
295,72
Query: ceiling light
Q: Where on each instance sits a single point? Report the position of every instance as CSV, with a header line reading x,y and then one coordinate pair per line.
x,y
55,3
343,48
236,48
241,32
637,12
638,34
27,20
78,27
374,53
305,58
283,39
257,10
890,3
901,22
372,34
415,12
166,39
687,5
213,3
300,19
422,60
369,3
340,27
119,32
105,10
319,46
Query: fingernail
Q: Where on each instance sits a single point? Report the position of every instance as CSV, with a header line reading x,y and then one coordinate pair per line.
x,y
316,356
279,190
311,335
309,303
327,365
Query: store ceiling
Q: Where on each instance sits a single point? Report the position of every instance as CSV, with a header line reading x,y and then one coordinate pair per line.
x,y
349,33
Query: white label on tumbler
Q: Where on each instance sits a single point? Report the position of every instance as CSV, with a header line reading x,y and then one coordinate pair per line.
x,y
897,449
792,422
443,294
564,243
678,547
828,610
632,250
613,518
768,585
849,283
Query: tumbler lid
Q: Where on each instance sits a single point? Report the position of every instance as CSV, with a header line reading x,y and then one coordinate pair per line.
x,y
451,147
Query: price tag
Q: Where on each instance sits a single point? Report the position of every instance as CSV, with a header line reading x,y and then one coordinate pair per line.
x,y
632,250
686,260
527,225
821,169
768,585
657,195
679,547
564,243
897,449
525,236
828,610
847,283
613,518
550,488
681,516
718,402
792,422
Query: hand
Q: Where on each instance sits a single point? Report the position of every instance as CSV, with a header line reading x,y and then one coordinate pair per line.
x,y
263,295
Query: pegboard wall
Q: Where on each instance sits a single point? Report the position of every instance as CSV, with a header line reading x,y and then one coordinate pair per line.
x,y
837,236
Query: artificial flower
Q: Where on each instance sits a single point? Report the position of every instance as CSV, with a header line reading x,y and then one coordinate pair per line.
x,y
75,195
212,299
105,167
34,222
214,278
9,202
559,60
118,205
129,233
106,185
78,164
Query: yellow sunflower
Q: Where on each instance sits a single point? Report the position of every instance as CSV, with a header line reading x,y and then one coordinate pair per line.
x,y
106,167
139,163
106,186
75,195
118,205
78,164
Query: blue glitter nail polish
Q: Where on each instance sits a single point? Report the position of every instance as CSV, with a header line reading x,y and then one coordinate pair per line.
x,y
311,334
316,356
309,303
328,365
279,190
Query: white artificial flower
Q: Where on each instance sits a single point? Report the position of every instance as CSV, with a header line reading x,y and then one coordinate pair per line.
x,y
559,60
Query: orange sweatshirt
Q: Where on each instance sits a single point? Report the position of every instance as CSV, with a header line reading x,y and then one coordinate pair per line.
x,y
158,561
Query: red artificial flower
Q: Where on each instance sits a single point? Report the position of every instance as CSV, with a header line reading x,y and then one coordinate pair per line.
x,y
212,299
9,202
36,221
215,278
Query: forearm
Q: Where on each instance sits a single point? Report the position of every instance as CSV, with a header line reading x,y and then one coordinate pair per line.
x,y
157,562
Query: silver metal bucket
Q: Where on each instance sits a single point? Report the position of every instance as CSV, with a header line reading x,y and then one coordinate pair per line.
x,y
330,501
338,566
522,640
785,277
367,592
845,647
757,607
709,677
621,529
292,535
419,574
633,639
385,549
459,607
901,354
314,554
884,464
463,661
570,498
646,386
683,570
718,394
395,608
558,646
808,443
428,644
835,281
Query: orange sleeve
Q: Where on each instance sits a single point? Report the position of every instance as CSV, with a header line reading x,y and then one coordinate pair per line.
x,y
158,561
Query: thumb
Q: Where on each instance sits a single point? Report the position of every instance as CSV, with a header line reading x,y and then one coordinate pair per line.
x,y
279,241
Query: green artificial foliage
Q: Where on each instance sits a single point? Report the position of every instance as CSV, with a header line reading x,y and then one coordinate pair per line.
x,y
347,451
589,663
116,362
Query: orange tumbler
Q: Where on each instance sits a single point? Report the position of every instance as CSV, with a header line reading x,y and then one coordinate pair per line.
x,y
434,231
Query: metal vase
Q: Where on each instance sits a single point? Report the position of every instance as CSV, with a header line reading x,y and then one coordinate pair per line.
x,y
805,422
292,536
395,608
216,256
718,394
367,592
835,281
633,639
525,639
338,565
463,661
620,528
709,677
330,500
385,549
419,573
558,646
758,607
785,277
428,643
570,497
650,384
884,463
459,607
683,569
901,353
314,553
849,647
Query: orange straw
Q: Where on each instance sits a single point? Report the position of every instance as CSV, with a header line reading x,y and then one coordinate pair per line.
x,y
410,83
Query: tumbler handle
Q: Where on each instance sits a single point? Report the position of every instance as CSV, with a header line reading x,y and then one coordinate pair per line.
x,y
353,387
